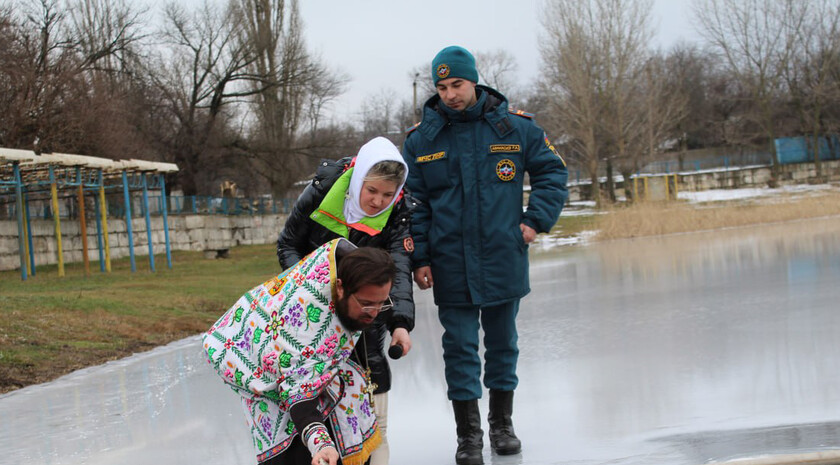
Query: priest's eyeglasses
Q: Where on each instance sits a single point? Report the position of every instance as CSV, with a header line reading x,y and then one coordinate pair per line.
x,y
389,304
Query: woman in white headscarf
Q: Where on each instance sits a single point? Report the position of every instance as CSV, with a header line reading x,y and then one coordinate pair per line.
x,y
362,199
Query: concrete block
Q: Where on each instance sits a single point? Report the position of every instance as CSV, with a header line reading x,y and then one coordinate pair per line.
x,y
42,259
116,226
9,228
197,235
194,221
69,228
180,237
9,262
8,244
42,228
215,245
217,222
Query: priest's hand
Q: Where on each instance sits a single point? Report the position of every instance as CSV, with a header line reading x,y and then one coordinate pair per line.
x,y
326,456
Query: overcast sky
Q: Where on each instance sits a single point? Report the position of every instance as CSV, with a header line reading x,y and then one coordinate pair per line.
x,y
378,42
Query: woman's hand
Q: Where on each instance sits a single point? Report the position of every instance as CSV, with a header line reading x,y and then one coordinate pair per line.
x,y
401,337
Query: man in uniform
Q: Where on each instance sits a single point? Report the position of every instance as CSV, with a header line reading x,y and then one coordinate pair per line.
x,y
467,161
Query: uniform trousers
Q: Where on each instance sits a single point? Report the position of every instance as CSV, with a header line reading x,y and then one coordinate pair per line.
x,y
460,348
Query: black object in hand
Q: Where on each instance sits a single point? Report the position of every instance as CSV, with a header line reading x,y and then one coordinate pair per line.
x,y
395,352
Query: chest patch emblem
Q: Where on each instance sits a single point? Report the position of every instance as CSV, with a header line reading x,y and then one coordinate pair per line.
x,y
505,148
430,157
506,170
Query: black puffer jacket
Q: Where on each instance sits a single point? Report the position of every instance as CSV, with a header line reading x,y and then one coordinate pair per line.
x,y
301,235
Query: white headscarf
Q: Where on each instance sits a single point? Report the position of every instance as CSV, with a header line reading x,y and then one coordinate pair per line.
x,y
373,152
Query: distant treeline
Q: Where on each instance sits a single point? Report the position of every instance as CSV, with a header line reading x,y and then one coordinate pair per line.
x,y
229,90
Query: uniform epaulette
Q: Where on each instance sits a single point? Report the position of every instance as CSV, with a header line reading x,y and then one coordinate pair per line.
x,y
521,113
411,129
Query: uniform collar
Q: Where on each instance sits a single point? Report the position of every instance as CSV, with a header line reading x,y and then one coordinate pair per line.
x,y
490,104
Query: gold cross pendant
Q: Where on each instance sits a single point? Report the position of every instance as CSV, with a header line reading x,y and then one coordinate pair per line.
x,y
370,387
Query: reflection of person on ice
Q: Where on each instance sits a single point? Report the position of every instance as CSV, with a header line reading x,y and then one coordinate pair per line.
x,y
467,162
285,348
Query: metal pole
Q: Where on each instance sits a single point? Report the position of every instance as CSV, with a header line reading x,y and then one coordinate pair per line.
x,y
148,222
103,213
96,215
21,237
26,233
414,108
165,221
127,198
29,235
83,220
636,189
57,220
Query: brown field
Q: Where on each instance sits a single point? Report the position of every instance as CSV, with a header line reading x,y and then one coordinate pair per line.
x,y
649,219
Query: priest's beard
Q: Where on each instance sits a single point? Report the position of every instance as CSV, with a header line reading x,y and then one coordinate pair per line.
x,y
342,309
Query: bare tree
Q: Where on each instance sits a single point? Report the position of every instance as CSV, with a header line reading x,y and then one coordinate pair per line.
x,y
13,77
322,92
290,88
810,85
105,32
756,40
44,67
690,73
573,82
58,94
380,115
593,57
497,69
197,76
665,106
109,36
625,36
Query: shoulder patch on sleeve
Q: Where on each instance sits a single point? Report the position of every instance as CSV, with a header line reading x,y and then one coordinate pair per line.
x,y
408,244
411,129
521,113
550,146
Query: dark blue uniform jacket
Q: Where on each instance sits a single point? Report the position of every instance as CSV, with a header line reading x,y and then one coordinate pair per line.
x,y
467,170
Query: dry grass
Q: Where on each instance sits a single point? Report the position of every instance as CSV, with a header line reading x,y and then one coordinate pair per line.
x,y
649,219
50,326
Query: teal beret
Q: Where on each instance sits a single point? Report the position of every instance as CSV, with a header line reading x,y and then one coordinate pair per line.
x,y
454,61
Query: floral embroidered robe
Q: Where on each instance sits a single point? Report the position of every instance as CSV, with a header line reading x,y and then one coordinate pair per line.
x,y
282,343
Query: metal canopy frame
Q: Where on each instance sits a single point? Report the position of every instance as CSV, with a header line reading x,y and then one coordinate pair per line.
x,y
33,176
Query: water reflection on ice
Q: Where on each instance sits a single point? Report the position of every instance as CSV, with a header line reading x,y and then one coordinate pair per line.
x,y
670,350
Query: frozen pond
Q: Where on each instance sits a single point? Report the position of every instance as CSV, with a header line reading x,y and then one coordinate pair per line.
x,y
675,350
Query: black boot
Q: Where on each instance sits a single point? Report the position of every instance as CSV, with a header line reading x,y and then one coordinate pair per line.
x,y
470,435
502,438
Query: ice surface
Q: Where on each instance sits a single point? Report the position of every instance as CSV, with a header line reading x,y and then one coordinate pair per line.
x,y
664,350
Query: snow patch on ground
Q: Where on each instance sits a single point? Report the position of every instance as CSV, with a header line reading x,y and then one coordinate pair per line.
x,y
720,195
547,242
